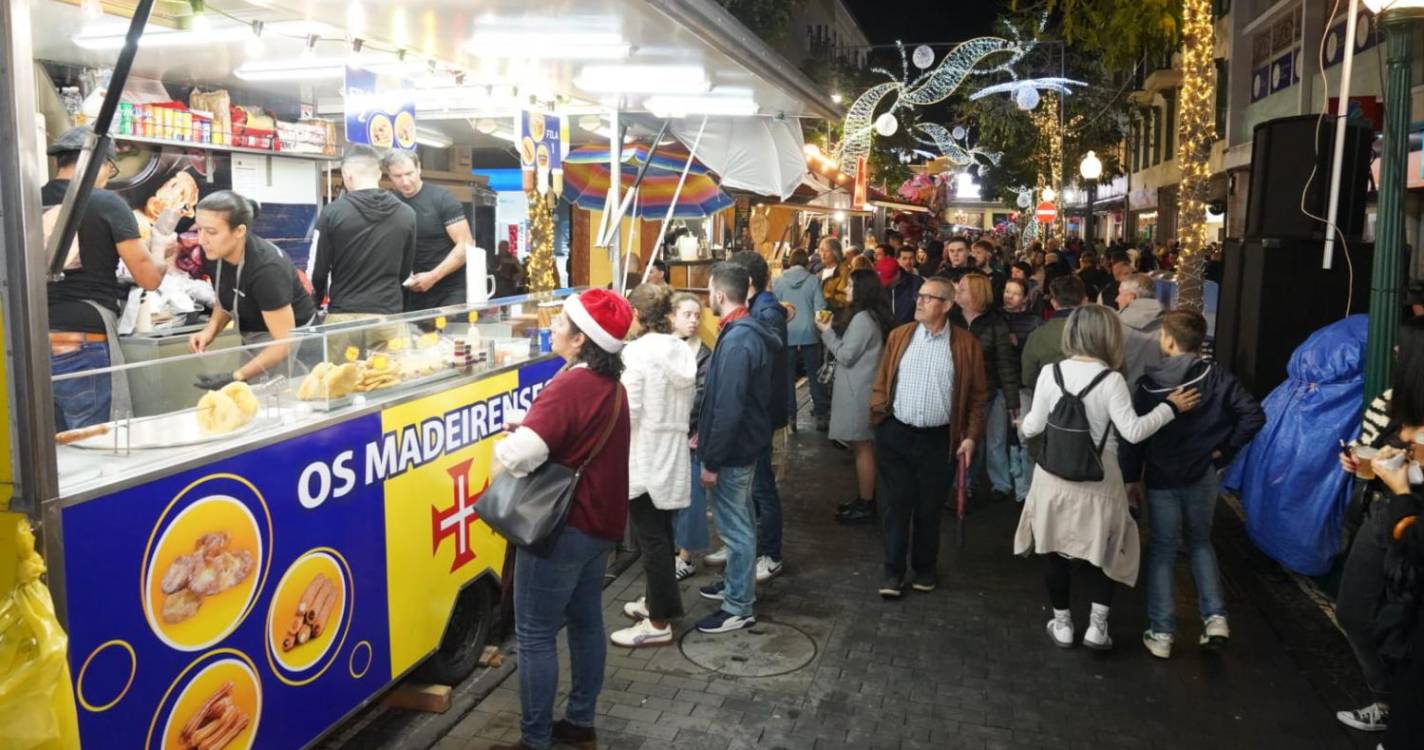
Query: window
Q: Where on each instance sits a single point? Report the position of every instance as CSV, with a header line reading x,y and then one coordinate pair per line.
x,y
1156,136
1170,151
1221,96
1133,139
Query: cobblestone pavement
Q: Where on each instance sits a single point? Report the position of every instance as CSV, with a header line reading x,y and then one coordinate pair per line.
x,y
967,666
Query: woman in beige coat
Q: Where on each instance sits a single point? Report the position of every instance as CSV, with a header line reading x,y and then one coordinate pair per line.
x,y
1088,523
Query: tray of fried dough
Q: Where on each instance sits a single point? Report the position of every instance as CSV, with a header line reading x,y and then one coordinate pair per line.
x,y
218,415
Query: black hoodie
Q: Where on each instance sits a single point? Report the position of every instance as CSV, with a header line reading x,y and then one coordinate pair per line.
x,y
365,249
734,423
1179,454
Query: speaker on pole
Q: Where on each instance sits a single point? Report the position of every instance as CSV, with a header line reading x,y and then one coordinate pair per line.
x,y
1284,154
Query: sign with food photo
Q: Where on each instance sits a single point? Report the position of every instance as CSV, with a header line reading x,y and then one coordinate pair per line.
x,y
542,140
380,110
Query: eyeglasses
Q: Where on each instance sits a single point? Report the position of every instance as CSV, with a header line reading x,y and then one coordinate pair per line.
x,y
113,169
928,297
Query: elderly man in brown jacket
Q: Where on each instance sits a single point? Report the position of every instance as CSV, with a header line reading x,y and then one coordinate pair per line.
x,y
927,405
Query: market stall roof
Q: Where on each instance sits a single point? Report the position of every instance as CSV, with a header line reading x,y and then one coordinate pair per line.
x,y
665,57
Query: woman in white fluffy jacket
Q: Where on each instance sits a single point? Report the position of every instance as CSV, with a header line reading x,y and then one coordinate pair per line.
x,y
660,376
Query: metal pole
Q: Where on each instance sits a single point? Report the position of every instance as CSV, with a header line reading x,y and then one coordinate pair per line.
x,y
1385,296
662,231
615,176
32,473
637,180
1342,116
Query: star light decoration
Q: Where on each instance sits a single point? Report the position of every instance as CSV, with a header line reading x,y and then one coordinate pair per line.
x,y
1198,132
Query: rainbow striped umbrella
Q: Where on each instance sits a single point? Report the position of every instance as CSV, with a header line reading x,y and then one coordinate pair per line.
x,y
586,182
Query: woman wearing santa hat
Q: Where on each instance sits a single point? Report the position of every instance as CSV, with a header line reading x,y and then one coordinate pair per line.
x,y
561,583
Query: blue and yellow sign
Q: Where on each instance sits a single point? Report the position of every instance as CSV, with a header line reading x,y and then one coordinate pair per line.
x,y
257,601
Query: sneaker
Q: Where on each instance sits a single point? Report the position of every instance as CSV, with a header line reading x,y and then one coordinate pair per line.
x,y
1371,718
716,591
847,505
685,569
859,512
1215,632
767,568
925,582
1158,644
823,424
1097,637
1060,631
642,634
582,738
723,621
893,587
637,610
717,558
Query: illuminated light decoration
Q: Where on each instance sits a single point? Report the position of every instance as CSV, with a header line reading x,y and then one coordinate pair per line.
x,y
887,125
949,145
1024,200
542,275
959,132
923,57
1049,154
1060,85
1197,130
859,124
1026,99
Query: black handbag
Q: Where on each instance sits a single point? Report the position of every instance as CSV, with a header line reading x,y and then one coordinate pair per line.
x,y
532,509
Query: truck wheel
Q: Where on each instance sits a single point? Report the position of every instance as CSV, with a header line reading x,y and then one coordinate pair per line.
x,y
465,638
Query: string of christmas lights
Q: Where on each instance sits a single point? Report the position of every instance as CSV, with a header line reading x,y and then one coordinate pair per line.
x,y
1050,149
941,138
1197,132
543,277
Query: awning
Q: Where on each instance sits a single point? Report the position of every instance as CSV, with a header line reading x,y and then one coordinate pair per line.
x,y
761,155
913,208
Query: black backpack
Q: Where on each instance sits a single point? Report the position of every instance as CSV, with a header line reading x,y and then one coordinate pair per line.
x,y
1069,451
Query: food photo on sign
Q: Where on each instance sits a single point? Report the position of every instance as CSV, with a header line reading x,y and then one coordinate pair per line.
x,y
542,146
380,110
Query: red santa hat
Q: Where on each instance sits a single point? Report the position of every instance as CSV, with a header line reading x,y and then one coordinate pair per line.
x,y
603,316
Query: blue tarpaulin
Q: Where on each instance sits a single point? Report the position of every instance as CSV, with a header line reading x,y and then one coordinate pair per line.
x,y
1289,479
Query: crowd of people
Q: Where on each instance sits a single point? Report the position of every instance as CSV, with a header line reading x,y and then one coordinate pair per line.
x,y
1070,391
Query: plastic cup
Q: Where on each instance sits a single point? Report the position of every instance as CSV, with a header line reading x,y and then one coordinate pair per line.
x,y
1389,464
1364,461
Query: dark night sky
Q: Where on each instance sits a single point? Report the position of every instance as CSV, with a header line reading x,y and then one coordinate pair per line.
x,y
914,21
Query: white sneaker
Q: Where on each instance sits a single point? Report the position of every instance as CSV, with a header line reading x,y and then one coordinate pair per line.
x,y
1371,718
642,634
685,569
1215,632
1097,637
1158,644
637,610
1060,630
718,558
767,569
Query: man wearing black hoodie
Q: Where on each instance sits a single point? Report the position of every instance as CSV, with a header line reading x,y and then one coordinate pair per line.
x,y
1179,465
365,247
767,309
733,431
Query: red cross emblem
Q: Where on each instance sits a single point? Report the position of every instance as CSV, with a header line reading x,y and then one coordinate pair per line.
x,y
458,518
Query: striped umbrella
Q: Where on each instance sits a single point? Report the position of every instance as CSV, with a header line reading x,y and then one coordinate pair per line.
x,y
586,182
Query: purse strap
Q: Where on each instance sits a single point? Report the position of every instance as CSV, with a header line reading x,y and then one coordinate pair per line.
x,y
607,431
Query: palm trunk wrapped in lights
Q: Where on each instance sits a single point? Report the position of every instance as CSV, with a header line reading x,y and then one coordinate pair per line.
x,y
543,277
1050,154
1196,134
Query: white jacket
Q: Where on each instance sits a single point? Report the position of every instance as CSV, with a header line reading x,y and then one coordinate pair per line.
x,y
660,375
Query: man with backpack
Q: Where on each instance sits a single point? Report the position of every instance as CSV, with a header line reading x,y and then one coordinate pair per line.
x,y
1179,467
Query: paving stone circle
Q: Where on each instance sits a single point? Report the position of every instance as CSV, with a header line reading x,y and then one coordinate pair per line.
x,y
768,649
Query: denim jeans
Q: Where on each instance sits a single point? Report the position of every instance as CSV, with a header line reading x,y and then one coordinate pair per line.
x,y
994,451
735,513
768,508
1020,459
689,526
809,357
565,587
85,401
1182,512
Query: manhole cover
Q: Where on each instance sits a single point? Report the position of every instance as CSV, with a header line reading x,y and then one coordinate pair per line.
x,y
766,650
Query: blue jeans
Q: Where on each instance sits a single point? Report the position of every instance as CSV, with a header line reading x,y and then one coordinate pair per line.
x,y
81,402
1175,513
1020,462
734,511
768,508
689,526
563,588
995,450
809,357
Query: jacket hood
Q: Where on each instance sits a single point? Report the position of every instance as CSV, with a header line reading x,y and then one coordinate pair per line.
x,y
797,276
666,355
374,204
773,342
766,301
1187,370
1140,313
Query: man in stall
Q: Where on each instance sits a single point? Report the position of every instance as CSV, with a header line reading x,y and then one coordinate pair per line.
x,y
442,232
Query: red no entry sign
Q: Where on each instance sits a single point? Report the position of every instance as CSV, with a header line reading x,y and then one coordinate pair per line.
x,y
1046,213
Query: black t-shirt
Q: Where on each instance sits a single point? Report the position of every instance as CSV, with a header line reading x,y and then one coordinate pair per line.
x,y
269,282
435,210
107,221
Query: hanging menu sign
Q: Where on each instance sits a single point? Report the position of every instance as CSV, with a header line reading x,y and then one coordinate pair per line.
x,y
542,139
380,110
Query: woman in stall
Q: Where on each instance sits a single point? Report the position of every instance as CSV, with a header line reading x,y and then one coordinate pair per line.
x,y
256,284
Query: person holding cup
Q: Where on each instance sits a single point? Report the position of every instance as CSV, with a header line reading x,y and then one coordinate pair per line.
x,y
1363,581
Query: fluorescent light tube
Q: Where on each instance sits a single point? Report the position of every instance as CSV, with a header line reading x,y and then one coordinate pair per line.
x,y
648,79
682,106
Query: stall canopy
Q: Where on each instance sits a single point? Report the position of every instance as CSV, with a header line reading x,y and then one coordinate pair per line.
x,y
762,155
586,181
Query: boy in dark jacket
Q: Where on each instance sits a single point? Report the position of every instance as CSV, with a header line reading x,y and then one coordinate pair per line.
x,y
733,431
1179,466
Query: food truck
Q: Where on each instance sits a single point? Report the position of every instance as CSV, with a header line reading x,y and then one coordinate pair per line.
x,y
246,566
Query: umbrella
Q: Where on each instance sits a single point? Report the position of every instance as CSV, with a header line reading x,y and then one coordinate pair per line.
x,y
586,182
961,495
762,155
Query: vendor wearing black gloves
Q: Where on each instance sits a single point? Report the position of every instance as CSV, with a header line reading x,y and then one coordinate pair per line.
x,y
442,233
257,286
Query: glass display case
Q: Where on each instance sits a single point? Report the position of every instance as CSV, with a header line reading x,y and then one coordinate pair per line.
x,y
177,410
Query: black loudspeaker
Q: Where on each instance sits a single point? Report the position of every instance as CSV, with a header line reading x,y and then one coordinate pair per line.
x,y
1282,159
1274,294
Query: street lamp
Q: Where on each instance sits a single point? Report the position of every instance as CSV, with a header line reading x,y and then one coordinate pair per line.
x,y
1400,19
1091,169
